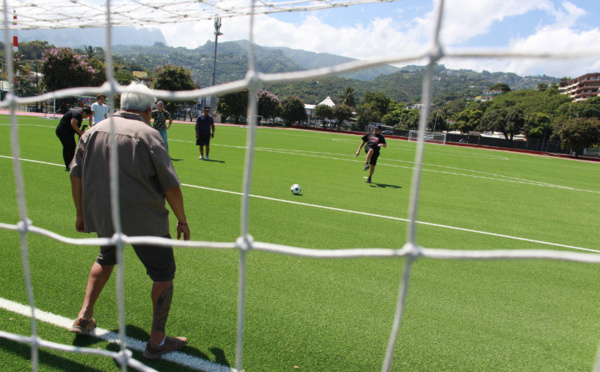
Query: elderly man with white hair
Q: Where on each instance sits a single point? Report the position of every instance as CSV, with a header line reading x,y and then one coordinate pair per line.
x,y
146,179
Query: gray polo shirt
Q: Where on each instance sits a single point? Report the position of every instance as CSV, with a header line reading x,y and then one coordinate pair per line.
x,y
145,173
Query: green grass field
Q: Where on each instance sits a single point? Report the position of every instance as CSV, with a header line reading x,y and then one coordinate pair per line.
x,y
305,314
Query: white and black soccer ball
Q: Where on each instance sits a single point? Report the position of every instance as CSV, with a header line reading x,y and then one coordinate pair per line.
x,y
296,189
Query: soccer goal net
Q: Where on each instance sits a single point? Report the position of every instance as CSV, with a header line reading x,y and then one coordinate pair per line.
x,y
433,137
53,14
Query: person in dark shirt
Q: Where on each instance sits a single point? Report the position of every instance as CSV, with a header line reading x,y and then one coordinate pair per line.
x,y
374,142
70,124
205,130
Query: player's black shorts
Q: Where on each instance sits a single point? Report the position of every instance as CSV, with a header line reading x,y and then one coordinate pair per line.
x,y
374,156
158,260
203,140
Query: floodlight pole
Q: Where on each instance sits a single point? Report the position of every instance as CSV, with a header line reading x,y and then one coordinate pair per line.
x,y
214,72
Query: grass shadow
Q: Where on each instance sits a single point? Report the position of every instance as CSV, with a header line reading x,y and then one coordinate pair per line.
x,y
385,185
23,351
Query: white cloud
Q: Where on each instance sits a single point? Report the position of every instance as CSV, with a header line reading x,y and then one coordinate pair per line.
x,y
385,37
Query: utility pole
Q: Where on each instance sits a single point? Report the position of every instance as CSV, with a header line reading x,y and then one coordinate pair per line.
x,y
218,33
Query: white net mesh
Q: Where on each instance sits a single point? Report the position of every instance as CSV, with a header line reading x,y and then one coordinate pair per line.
x,y
60,14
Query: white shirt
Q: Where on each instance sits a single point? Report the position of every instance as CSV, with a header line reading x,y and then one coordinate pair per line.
x,y
100,112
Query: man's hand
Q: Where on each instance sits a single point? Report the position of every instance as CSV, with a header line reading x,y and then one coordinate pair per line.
x,y
183,229
357,153
79,226
197,136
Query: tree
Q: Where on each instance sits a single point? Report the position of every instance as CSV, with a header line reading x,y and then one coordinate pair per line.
x,y
233,104
293,110
467,120
268,104
509,121
500,86
173,78
378,102
542,87
90,52
537,126
342,113
34,50
62,68
323,112
348,97
578,134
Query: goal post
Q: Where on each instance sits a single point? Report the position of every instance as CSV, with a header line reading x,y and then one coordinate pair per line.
x,y
430,137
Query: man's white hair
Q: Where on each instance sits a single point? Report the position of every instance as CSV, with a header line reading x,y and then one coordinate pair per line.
x,y
138,97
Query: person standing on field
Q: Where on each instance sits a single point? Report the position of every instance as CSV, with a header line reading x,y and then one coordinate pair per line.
x,y
205,130
146,180
374,142
160,116
99,110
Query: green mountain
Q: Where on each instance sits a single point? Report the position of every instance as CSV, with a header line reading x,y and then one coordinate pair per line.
x,y
401,84
310,60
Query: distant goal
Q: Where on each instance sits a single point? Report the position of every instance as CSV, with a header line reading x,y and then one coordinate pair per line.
x,y
433,137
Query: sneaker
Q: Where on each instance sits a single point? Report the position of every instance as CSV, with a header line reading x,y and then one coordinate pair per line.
x,y
171,344
366,167
83,326
369,180
207,158
200,157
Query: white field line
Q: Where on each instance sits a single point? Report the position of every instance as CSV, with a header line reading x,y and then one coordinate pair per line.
x,y
132,343
389,217
483,175
399,219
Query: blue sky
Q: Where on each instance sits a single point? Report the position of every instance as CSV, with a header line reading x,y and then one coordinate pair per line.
x,y
368,31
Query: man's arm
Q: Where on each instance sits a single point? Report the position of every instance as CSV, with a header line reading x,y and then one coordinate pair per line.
x,y
91,119
212,134
77,191
170,121
360,147
175,200
74,123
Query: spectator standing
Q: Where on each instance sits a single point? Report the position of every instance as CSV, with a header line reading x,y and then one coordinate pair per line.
x,y
160,116
99,110
205,130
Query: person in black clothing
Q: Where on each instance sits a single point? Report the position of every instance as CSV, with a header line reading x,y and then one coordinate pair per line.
x,y
374,141
66,129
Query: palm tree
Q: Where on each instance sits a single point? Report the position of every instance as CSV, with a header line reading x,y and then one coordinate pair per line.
x,y
348,97
90,52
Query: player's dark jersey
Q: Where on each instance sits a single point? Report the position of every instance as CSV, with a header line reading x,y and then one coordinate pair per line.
x,y
64,127
373,140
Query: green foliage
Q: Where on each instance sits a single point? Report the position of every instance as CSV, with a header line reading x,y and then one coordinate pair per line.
x,y
62,68
578,134
500,86
537,126
467,120
323,111
233,104
268,104
173,78
348,97
293,110
34,50
342,113
508,120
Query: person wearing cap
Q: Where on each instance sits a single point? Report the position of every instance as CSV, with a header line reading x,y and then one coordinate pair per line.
x,y
205,130
373,142
99,110
160,116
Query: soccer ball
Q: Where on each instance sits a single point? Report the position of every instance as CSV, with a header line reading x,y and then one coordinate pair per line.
x,y
296,189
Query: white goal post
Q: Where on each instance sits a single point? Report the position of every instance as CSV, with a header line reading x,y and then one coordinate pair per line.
x,y
431,137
